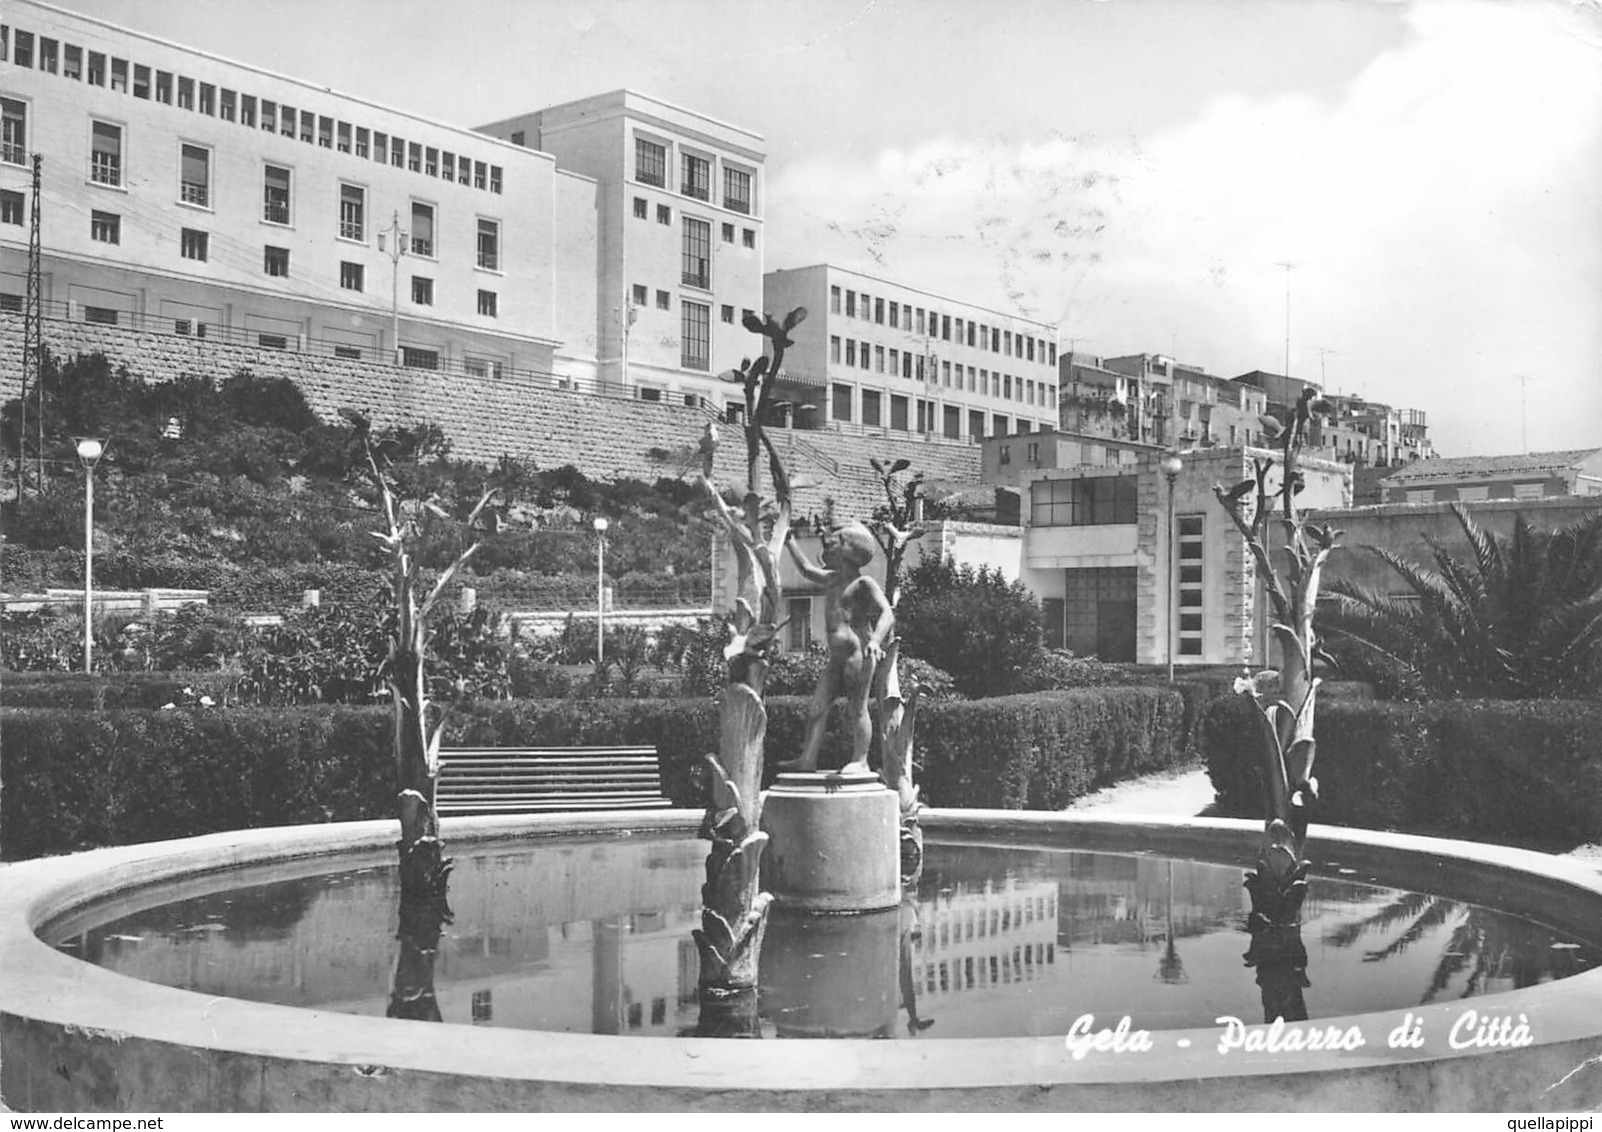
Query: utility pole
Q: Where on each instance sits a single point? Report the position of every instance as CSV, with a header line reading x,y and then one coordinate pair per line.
x,y
625,317
397,248
33,328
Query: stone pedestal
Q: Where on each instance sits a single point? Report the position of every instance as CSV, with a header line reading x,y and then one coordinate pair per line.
x,y
834,843
832,976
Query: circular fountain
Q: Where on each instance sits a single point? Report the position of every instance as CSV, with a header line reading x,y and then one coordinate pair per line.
x,y
80,1037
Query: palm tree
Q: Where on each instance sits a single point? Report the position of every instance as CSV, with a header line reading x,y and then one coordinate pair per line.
x,y
1520,617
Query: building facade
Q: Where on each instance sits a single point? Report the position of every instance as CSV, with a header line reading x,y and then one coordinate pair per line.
x,y
1536,475
885,358
679,207
219,199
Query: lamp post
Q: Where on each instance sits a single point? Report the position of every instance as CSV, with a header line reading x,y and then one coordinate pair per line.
x,y
397,248
1170,466
600,588
89,452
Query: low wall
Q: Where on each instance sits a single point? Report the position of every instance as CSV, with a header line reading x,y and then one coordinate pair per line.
x,y
79,1038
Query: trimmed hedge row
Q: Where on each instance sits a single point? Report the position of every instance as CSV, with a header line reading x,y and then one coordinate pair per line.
x,y
77,779
1519,771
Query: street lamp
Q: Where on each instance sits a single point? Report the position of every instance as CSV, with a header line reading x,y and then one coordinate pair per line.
x,y
600,588
1170,466
89,452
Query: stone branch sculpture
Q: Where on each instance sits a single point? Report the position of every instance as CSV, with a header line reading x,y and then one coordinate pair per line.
x,y
733,907
418,722
896,524
1286,747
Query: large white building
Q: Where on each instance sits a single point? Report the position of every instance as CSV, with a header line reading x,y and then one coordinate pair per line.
x,y
186,193
879,356
679,211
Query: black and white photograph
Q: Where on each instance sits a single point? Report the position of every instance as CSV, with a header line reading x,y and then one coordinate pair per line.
x,y
828,556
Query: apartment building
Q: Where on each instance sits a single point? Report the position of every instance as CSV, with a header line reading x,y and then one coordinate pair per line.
x,y
1356,431
882,357
218,199
1467,479
678,207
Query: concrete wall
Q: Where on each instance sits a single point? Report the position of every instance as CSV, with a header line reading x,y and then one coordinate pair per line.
x,y
1407,527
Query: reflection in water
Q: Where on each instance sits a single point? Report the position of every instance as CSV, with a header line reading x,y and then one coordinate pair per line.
x,y
412,992
595,937
1484,952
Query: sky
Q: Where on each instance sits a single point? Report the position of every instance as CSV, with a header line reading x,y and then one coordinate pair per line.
x,y
1137,173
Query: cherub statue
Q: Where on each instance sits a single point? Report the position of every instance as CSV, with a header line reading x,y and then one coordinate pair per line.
x,y
857,619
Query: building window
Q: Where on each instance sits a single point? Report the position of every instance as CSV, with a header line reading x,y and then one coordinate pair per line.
x,y
352,213
105,227
10,207
650,163
840,402
97,75
737,190
431,162
642,210
871,401
517,137
637,295
898,412
726,313
275,194
419,359
748,237
397,152
105,156
728,233
119,78
697,177
422,291
194,178
664,301
482,1003
106,316
414,157
697,333
834,348
488,304
352,276
363,142
489,245
422,229
1520,490
1088,502
851,353
799,628
851,304
193,244
1191,529
696,266
483,367
71,63
13,132
664,214
495,179
834,300
275,261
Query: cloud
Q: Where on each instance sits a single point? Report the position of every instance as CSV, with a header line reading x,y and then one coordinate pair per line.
x,y
1440,213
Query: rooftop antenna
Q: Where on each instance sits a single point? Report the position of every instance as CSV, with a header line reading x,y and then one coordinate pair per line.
x,y
1289,267
1524,432
1322,354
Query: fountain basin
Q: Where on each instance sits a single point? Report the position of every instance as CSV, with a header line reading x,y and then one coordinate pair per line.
x,y
74,1037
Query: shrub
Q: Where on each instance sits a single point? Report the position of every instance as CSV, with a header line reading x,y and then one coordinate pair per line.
x,y
975,624
1504,770
1055,669
1042,750
76,779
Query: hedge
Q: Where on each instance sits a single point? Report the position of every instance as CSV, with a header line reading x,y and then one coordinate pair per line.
x,y
76,779
1519,771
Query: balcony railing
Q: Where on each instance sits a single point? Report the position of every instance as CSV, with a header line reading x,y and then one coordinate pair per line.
x,y
193,192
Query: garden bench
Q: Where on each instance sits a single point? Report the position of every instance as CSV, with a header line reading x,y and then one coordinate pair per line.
x,y
520,780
